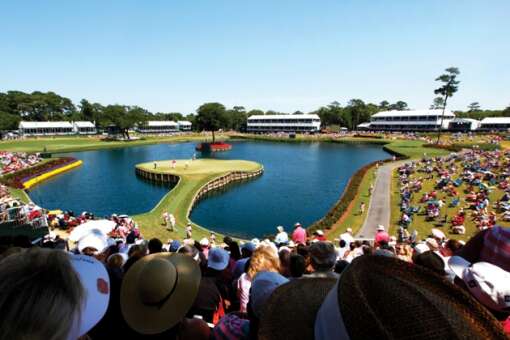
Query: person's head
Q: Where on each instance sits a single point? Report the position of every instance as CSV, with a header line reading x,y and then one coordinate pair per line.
x,y
235,252
158,291
247,249
115,261
49,294
340,266
136,251
218,259
451,247
155,246
342,243
284,255
322,256
297,265
189,251
430,260
263,259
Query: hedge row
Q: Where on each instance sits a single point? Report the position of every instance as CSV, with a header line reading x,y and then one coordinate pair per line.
x,y
16,180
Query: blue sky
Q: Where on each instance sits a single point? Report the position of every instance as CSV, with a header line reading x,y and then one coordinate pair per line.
x,y
284,55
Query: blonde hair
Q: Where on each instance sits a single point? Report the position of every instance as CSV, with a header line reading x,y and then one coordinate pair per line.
x,y
263,258
41,295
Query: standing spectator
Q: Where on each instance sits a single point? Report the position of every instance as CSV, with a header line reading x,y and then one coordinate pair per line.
x,y
171,221
362,208
281,238
299,234
381,237
189,231
347,236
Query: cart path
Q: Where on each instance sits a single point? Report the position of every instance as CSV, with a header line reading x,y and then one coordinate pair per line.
x,y
379,209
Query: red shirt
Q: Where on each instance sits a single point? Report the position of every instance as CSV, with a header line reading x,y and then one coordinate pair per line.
x,y
381,236
299,235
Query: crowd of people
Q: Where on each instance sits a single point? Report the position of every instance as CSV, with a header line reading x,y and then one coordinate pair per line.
x,y
292,285
11,162
463,189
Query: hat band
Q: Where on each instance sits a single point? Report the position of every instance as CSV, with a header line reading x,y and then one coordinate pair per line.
x,y
161,302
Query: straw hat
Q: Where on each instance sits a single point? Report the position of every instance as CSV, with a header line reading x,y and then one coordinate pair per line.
x,y
294,303
158,290
378,297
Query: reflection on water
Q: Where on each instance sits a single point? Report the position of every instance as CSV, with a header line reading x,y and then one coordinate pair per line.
x,y
300,183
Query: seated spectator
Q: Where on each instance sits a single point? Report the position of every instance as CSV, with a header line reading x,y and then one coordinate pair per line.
x,y
322,259
291,309
263,259
156,294
297,266
282,238
381,236
35,304
155,246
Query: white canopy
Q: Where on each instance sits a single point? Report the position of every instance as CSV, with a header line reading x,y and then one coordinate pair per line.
x,y
86,228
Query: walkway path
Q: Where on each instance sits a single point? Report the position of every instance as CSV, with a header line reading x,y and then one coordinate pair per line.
x,y
379,210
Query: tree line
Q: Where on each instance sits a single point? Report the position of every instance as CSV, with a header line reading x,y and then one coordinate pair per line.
x,y
49,106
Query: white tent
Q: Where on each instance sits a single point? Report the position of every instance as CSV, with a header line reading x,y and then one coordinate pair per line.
x,y
86,228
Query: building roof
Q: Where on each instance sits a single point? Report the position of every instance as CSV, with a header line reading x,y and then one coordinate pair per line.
x,y
408,113
465,120
84,124
160,123
496,120
184,122
44,125
307,116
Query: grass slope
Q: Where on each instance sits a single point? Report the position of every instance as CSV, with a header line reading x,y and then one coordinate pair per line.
x,y
178,201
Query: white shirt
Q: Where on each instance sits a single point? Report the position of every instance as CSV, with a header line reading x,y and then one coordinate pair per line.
x,y
347,237
281,238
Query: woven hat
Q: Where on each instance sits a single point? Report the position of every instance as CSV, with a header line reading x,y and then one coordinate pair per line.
x,y
378,297
291,309
158,290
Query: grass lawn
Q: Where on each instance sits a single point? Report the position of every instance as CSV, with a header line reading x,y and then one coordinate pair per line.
x,y
419,221
72,144
353,219
178,201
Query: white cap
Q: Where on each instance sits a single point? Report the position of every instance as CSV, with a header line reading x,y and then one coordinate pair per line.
x,y
204,242
420,248
488,283
349,230
96,283
438,234
380,227
94,239
319,232
279,228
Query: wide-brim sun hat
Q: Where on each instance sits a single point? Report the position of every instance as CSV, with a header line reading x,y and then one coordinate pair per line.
x,y
291,304
96,283
378,297
218,258
158,290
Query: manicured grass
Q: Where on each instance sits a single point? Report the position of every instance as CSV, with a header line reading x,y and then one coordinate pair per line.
x,y
72,144
353,219
178,201
20,194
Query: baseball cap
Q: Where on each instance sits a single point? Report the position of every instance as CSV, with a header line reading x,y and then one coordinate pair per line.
x,y
218,258
488,283
96,283
380,227
262,287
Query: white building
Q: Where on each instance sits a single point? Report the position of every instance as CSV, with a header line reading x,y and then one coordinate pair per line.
x,y
84,128
184,125
284,123
463,125
158,126
495,123
412,120
45,128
